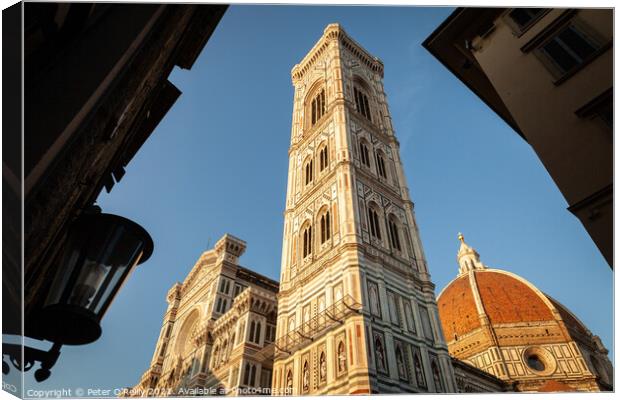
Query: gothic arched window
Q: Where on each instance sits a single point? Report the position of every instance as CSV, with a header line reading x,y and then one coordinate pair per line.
x,y
307,241
364,154
325,227
361,102
308,172
381,165
373,220
252,325
253,375
323,158
317,107
246,374
394,236
257,333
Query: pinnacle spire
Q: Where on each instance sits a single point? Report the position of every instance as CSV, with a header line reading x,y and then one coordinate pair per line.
x,y
467,257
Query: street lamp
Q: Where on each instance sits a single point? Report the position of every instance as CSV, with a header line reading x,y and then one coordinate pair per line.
x,y
100,254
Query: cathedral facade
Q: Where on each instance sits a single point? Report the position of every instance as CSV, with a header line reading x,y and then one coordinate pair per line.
x,y
218,331
356,307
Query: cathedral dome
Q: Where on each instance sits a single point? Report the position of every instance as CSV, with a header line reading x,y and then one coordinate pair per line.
x,y
500,296
502,324
504,297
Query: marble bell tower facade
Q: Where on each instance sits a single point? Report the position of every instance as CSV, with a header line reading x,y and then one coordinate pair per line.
x,y
356,307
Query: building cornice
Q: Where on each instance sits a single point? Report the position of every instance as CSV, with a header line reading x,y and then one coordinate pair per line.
x,y
335,33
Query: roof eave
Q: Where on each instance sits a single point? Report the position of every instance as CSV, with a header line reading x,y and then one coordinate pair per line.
x,y
427,44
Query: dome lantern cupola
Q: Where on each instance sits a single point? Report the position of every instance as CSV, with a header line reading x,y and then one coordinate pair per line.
x,y
467,257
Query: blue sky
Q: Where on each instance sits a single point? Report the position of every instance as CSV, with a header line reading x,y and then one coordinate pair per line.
x,y
218,163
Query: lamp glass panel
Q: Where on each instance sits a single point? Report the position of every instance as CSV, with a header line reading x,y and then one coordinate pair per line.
x,y
96,265
91,276
116,280
62,278
100,260
126,252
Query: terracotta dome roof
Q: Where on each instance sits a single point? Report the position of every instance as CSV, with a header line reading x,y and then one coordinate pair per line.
x,y
457,308
507,299
504,297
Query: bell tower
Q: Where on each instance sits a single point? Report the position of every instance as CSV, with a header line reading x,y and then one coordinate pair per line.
x,y
356,308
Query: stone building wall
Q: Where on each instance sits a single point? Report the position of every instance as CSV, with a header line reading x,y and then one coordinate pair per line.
x,y
95,88
470,379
